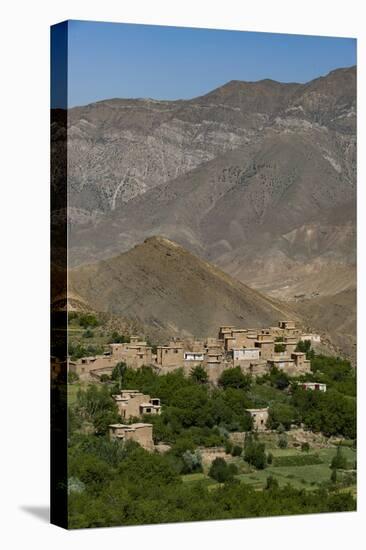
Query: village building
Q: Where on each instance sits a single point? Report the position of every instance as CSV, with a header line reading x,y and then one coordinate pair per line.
x,y
140,433
213,358
245,354
302,364
135,354
314,386
282,362
259,417
171,355
265,344
133,403
315,338
103,364
193,356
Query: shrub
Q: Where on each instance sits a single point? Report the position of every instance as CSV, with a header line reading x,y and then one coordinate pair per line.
x,y
282,442
271,483
269,458
237,450
199,375
305,447
297,460
279,348
192,462
339,461
88,320
221,471
254,453
228,447
234,378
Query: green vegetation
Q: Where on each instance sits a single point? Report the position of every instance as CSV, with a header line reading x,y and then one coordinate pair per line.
x,y
279,348
254,452
234,378
221,471
111,483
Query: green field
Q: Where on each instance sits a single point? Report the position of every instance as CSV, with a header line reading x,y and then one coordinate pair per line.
x,y
300,477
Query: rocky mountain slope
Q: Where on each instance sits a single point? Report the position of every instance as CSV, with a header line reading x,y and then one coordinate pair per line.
x,y
171,292
258,178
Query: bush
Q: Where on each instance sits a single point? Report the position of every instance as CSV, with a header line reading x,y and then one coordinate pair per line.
x,y
88,333
254,452
221,471
339,460
199,375
237,450
279,348
305,447
282,442
297,460
281,414
88,320
269,458
104,378
234,378
192,462
271,483
228,447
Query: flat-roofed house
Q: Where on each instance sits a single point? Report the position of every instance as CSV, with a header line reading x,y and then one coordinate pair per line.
x,y
282,362
170,355
133,403
225,330
312,337
259,417
265,344
302,364
194,356
245,354
314,386
135,354
140,432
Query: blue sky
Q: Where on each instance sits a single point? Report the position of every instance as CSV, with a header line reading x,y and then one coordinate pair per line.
x,y
123,60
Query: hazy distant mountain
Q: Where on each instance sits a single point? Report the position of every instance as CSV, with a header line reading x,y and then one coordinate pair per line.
x,y
121,148
171,292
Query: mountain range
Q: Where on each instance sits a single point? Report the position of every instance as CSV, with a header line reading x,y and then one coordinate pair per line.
x,y
257,178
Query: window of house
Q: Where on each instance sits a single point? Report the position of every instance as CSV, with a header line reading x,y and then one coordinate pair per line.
x,y
175,351
148,410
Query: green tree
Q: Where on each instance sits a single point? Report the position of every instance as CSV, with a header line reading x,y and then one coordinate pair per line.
x,y
282,442
97,406
279,347
234,378
281,414
88,320
254,452
199,374
221,471
339,461
118,373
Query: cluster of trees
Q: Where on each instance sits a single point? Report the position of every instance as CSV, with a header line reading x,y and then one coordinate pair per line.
x,y
331,413
77,351
254,452
111,484
221,471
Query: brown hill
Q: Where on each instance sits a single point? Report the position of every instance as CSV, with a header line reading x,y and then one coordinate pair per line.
x,y
171,292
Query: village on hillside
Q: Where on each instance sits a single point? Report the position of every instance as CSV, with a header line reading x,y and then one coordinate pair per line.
x,y
255,351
